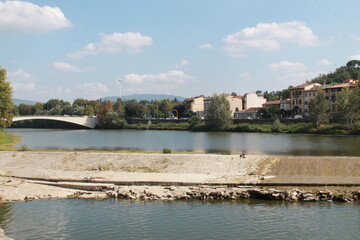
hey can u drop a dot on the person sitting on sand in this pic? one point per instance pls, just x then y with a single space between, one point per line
242 155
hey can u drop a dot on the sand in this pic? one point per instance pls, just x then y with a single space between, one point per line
17 167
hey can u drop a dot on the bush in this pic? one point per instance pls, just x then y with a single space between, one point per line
167 150
194 121
24 148
277 126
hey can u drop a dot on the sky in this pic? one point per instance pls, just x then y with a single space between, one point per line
91 49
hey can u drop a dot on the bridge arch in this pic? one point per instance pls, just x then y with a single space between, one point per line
85 121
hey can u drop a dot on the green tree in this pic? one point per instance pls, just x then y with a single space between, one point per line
318 109
6 104
219 113
166 107
347 106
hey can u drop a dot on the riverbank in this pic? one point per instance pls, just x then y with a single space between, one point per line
41 175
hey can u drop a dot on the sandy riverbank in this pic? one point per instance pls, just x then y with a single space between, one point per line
70 167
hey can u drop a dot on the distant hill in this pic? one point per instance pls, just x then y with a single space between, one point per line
149 97
17 101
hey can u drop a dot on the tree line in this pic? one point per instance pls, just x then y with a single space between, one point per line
111 114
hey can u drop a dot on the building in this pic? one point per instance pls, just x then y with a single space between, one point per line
252 100
249 113
334 90
236 103
303 94
285 105
196 105
297 97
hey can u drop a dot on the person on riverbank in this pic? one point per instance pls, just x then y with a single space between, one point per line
243 155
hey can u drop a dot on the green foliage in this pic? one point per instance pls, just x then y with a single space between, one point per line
347 106
6 104
135 109
276 126
318 109
24 148
194 121
167 151
276 95
159 126
268 112
219 113
343 73
5 137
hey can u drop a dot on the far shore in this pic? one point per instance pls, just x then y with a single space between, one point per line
40 175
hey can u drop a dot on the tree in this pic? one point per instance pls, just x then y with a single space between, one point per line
347 106
219 113
6 104
318 109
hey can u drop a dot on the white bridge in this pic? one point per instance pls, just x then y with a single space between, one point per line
85 121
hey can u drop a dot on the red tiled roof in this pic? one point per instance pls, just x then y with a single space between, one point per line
272 102
302 86
341 85
250 109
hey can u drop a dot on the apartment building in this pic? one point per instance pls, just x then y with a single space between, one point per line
236 103
331 90
196 105
297 94
252 100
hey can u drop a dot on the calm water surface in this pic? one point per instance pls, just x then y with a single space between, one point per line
111 219
179 141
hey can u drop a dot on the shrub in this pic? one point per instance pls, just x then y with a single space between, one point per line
24 148
167 150
277 126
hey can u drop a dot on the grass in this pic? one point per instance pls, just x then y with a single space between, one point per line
7 141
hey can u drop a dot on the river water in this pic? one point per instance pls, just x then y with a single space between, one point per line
122 219
182 141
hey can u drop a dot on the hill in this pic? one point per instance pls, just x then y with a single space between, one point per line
17 101
349 72
148 97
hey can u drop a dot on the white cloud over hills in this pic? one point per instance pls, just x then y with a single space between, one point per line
115 42
268 37
26 17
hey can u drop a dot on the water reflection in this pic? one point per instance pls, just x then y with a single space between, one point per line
122 219
181 141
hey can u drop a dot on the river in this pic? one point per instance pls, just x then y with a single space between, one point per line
121 219
183 141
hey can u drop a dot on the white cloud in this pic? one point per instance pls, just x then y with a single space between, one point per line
183 63
325 62
173 76
23 17
21 80
66 67
299 77
354 57
17 86
245 76
92 90
115 42
20 75
287 66
268 37
206 46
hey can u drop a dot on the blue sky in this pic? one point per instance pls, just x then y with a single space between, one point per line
70 49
